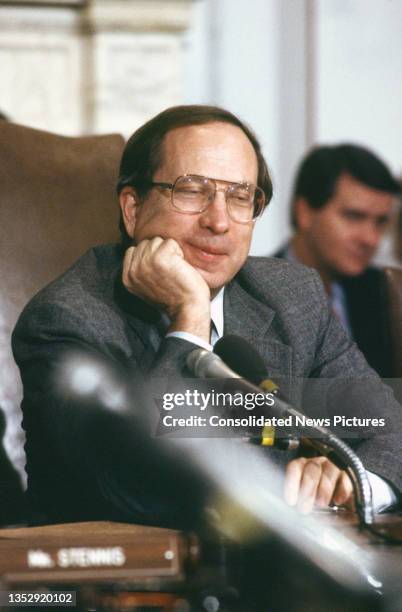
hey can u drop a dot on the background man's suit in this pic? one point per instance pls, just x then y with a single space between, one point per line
367 314
280 309
366 300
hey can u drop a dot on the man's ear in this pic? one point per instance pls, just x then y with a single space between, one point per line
304 214
128 203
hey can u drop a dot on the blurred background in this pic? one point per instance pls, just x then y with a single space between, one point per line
299 72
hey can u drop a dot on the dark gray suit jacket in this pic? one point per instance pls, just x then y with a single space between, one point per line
280 308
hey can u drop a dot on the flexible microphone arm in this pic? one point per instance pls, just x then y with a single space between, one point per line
205 364
343 457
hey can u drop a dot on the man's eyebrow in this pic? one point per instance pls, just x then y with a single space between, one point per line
350 210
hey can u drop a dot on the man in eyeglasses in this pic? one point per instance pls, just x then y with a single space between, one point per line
192 183
193 220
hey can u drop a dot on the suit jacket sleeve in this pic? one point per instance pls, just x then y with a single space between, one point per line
85 461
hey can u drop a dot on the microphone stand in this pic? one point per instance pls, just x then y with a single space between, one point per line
339 453
209 365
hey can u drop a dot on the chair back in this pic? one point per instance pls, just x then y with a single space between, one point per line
57 199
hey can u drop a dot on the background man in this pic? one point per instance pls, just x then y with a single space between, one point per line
192 183
342 202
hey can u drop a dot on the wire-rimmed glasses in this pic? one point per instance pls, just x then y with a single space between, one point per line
192 194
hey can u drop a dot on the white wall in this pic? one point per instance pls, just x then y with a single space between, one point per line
358 74
300 72
240 55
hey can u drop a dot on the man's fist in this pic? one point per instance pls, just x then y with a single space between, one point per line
316 482
156 271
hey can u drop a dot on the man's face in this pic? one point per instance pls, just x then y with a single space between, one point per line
212 243
343 235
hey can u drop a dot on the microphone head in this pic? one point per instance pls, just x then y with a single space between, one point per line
205 364
241 357
196 362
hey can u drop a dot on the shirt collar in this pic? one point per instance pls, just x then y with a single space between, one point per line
217 312
216 316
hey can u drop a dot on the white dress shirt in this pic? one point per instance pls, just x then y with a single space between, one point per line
216 328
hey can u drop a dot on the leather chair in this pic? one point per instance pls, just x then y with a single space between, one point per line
393 278
57 200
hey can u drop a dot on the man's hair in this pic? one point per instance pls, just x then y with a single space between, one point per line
143 152
319 171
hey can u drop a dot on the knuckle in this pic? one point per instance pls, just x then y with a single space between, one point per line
173 246
313 469
127 281
155 242
311 477
295 466
346 483
159 264
170 242
327 485
331 472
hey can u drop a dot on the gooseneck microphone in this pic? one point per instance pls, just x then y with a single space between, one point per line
235 351
241 355
205 364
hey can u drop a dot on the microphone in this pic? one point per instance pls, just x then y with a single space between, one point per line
205 364
243 356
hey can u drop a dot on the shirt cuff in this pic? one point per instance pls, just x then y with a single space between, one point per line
384 496
190 338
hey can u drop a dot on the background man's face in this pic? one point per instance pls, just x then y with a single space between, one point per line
212 243
344 234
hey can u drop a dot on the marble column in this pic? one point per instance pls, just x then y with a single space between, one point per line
78 67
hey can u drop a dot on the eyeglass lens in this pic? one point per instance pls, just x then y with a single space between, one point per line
194 194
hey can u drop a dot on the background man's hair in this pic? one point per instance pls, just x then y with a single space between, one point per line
319 171
143 152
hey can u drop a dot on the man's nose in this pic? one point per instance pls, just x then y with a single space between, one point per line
216 216
371 235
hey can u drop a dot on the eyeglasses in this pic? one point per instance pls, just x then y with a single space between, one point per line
192 194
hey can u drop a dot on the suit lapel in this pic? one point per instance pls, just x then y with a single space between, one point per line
254 321
149 333
144 321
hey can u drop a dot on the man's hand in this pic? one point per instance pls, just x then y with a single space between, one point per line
316 481
156 271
